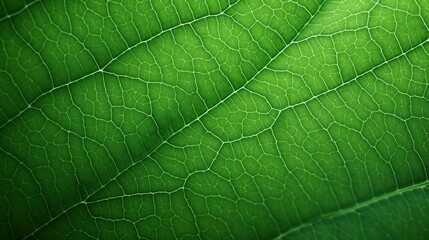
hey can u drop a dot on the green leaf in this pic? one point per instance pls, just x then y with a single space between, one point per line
211 119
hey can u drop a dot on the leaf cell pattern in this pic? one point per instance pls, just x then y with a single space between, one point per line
239 119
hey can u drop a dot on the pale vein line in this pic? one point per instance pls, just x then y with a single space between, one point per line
371 70
11 15
355 207
101 69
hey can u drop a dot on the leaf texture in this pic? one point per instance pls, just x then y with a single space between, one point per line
240 119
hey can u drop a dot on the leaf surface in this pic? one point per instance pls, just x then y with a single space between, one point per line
208 119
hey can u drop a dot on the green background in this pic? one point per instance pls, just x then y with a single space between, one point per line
246 119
